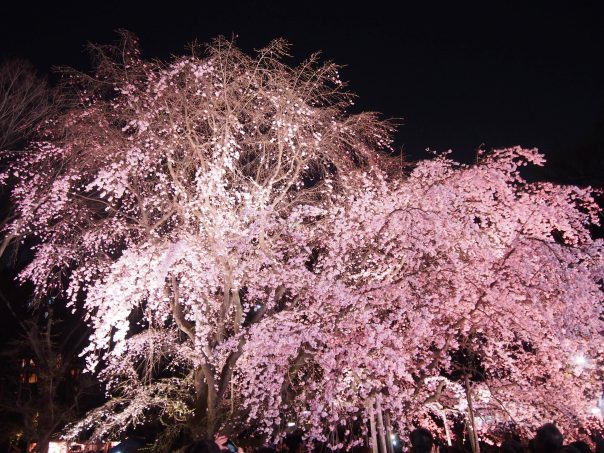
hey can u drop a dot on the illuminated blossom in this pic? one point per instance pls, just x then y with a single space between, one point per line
242 246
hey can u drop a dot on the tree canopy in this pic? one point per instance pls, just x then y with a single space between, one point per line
246 251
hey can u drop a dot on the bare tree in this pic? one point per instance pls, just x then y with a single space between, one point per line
42 388
26 99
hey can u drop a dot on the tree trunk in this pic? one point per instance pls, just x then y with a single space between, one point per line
42 444
206 405
473 436
389 443
374 446
447 432
380 420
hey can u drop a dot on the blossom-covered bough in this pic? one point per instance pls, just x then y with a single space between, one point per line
170 202
246 252
462 290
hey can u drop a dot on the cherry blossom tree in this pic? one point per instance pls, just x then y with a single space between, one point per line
460 291
244 249
168 204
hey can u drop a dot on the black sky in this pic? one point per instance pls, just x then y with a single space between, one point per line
460 74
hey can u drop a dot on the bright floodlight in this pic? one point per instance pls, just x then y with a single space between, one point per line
290 424
580 360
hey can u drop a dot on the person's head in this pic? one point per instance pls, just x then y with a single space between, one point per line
583 447
294 442
362 449
266 449
421 440
568 449
548 439
512 446
203 446
455 448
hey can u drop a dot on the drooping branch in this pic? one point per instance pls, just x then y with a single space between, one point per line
179 317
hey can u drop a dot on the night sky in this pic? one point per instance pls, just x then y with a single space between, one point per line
488 74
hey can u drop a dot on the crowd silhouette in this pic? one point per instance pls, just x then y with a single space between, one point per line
547 439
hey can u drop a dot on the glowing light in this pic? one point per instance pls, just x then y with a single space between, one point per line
596 411
580 360
291 424
57 447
